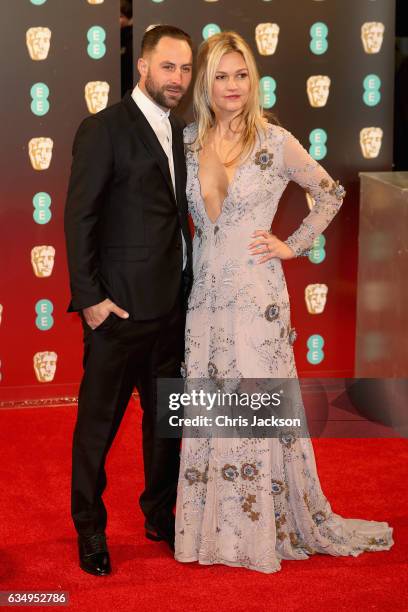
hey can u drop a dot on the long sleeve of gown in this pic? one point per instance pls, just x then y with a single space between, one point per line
327 194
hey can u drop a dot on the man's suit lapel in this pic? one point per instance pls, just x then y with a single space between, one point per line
147 135
178 158
180 171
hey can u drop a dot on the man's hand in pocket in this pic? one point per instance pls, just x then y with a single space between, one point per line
96 315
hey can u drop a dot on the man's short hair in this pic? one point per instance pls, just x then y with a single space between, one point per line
152 37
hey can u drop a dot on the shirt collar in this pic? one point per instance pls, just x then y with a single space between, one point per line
147 106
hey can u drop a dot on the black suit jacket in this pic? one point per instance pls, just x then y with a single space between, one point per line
122 218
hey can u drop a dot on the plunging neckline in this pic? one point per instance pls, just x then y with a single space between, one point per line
230 185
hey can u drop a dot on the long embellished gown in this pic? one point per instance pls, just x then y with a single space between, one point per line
242 501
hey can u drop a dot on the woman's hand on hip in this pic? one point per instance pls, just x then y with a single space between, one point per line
269 246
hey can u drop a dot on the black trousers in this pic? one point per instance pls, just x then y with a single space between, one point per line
120 355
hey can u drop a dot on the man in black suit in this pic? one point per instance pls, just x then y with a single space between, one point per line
129 257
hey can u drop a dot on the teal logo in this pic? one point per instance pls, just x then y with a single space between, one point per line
372 94
210 29
39 93
317 252
42 203
315 344
44 319
267 87
96 38
38 2
318 139
319 32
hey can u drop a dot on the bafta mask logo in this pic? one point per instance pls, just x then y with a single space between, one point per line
370 141
315 297
267 36
96 95
310 201
45 365
40 152
38 43
42 259
1 313
318 89
372 36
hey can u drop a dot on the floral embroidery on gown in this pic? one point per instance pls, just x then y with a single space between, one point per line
252 502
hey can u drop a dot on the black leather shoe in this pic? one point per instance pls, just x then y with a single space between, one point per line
161 530
94 554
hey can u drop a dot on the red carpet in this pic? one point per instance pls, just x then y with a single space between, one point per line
361 478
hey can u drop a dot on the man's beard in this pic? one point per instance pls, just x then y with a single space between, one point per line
160 94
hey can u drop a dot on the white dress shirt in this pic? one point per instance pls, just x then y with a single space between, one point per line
160 123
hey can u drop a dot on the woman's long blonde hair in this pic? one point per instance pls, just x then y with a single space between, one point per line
252 120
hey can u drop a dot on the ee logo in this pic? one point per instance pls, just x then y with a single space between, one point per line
317 253
96 38
42 203
267 86
210 29
318 32
44 320
372 94
315 345
318 139
39 94
38 2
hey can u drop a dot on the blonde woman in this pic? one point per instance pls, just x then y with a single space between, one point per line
249 502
